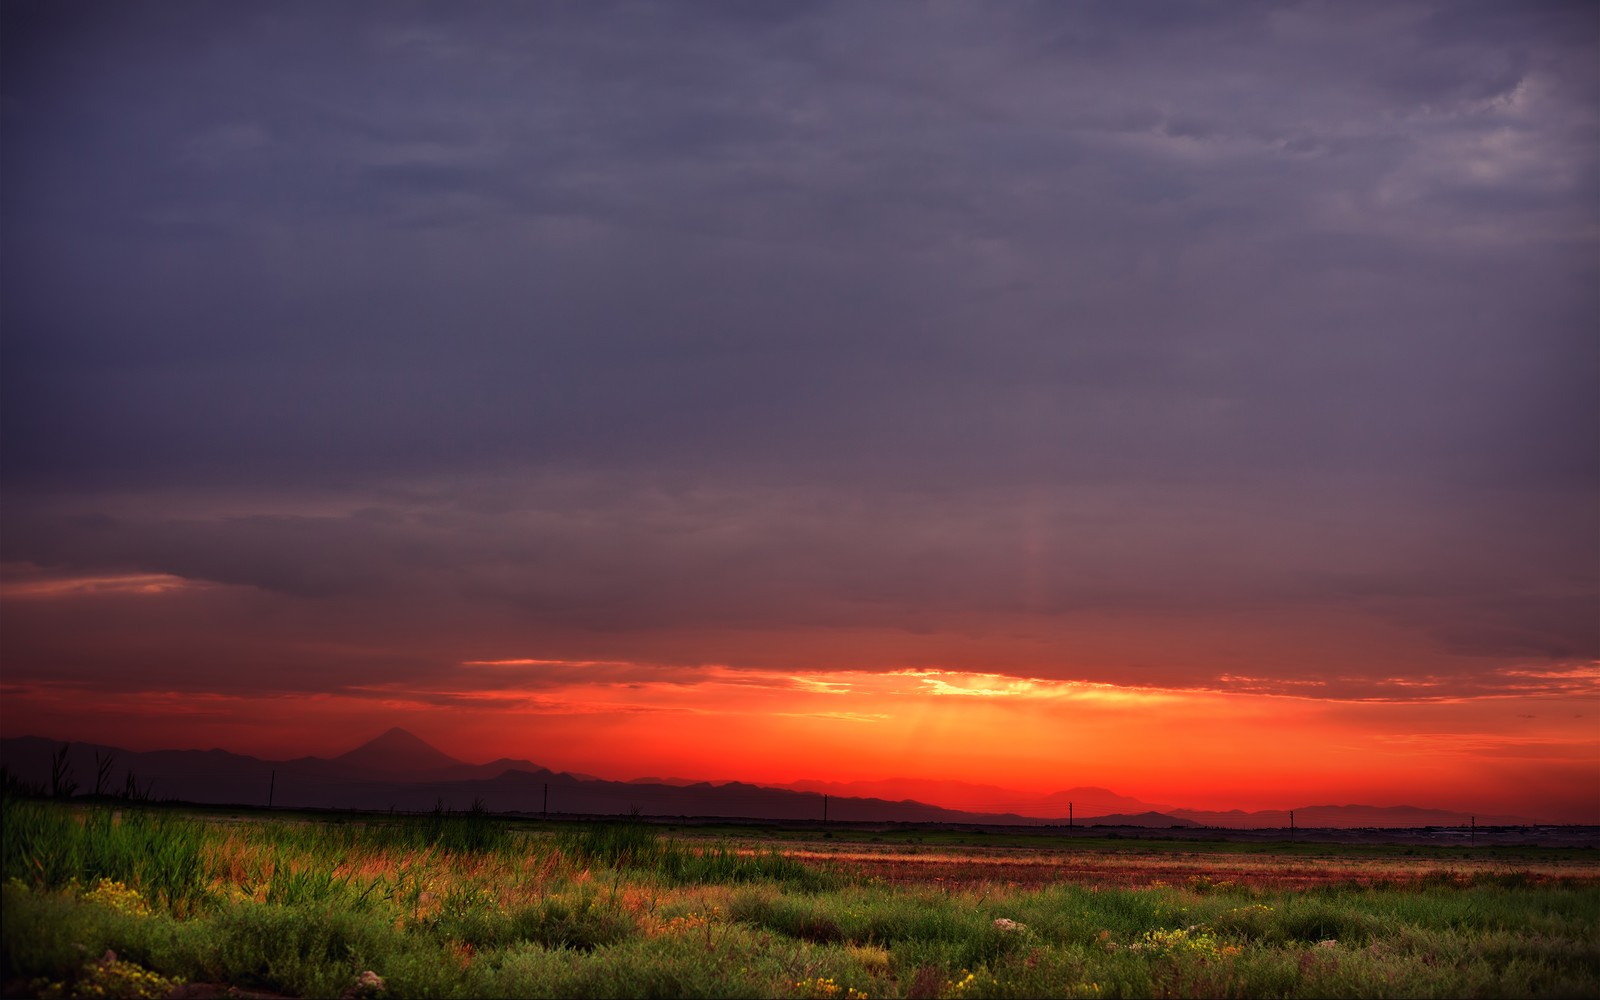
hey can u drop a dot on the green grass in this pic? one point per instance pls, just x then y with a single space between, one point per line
473 905
48 846
638 848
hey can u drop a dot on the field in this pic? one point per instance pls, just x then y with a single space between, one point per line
155 902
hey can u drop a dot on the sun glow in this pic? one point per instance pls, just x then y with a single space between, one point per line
1200 748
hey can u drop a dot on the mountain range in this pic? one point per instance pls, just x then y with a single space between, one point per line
399 771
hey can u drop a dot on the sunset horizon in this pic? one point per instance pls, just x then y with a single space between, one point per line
913 782
1202 405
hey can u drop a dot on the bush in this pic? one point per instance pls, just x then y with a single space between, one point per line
305 949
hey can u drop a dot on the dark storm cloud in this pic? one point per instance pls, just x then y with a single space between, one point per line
1219 305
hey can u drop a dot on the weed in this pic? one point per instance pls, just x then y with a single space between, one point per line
50 845
619 909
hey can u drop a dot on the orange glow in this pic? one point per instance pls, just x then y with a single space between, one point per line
1207 749
150 661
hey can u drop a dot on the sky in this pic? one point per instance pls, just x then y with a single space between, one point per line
1200 401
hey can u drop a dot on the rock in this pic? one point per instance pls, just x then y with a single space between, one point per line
368 984
1009 925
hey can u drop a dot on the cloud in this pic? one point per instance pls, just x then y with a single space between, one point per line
1090 342
867 717
544 585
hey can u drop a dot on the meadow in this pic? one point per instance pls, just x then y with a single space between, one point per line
143 901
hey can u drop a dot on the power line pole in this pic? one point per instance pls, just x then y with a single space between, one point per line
272 786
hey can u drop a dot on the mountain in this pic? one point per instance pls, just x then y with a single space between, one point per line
493 768
950 794
1094 802
397 770
397 754
1342 817
1149 819
970 797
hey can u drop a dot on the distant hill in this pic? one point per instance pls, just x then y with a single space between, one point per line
970 797
1094 801
1343 817
398 770
1152 819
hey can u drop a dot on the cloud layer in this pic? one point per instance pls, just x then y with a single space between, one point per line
1244 345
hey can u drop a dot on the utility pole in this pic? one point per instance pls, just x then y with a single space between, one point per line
272 786
1291 826
546 809
824 807
1472 837
1069 815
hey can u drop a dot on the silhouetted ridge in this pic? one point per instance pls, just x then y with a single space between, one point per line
399 771
400 754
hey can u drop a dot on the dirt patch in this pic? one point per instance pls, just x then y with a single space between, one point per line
1034 869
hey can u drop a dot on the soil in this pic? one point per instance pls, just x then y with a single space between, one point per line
1020 868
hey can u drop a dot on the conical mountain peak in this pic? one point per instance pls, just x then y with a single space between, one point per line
400 753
